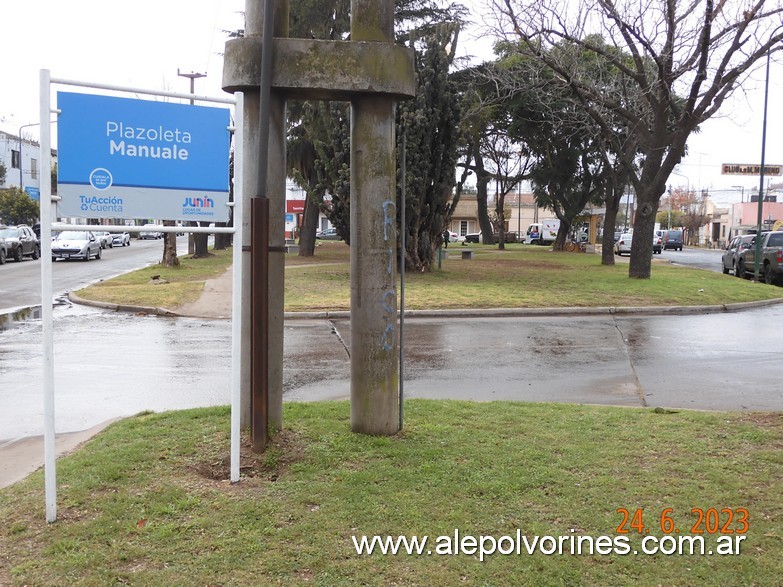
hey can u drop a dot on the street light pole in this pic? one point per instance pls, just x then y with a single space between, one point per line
757 263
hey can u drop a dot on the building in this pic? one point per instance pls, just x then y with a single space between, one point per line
20 157
520 212
743 218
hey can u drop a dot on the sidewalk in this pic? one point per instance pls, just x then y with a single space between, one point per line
22 456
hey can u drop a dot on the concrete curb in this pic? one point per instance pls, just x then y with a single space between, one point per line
121 307
465 313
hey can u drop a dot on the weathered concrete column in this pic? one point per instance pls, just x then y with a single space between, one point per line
374 344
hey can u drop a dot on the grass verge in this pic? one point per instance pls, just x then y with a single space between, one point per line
147 502
520 277
177 285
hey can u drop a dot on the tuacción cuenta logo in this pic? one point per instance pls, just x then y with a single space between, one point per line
100 204
198 206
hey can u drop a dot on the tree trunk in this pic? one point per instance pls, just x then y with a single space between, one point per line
222 239
501 202
309 228
643 227
607 240
170 258
562 235
610 222
200 240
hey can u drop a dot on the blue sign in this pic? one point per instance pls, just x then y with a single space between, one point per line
33 192
132 158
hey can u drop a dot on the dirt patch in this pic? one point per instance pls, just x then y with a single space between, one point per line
285 448
766 420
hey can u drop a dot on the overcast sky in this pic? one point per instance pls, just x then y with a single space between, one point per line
142 44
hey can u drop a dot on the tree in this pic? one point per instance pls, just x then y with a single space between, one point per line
329 171
429 125
571 166
16 207
545 121
688 211
3 172
475 125
701 51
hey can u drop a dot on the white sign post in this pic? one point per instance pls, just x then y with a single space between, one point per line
133 158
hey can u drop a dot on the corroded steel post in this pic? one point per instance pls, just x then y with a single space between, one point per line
374 344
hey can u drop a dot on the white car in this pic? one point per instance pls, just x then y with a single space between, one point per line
104 237
76 244
149 232
121 239
623 244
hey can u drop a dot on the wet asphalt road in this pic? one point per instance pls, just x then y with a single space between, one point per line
20 283
113 364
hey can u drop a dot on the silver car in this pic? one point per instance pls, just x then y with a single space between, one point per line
121 239
623 244
76 244
733 249
104 238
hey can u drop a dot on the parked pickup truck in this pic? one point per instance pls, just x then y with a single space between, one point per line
771 258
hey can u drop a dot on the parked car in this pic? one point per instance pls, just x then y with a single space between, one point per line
734 249
120 239
623 244
657 243
105 238
76 244
672 239
149 233
473 237
770 260
456 238
20 242
328 234
3 251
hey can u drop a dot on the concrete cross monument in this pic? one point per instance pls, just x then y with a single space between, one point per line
372 73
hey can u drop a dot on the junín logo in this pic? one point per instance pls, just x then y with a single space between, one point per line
204 202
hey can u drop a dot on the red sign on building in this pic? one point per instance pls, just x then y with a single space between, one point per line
295 206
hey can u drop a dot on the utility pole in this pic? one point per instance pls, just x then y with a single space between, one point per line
193 76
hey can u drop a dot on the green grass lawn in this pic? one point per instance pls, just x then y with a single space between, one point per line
147 502
520 277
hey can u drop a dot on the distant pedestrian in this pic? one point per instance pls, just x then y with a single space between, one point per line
446 238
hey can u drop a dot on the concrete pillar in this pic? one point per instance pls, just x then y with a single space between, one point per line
374 344
254 24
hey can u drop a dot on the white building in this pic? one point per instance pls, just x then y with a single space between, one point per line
21 159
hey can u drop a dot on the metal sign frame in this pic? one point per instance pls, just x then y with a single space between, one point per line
47 307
